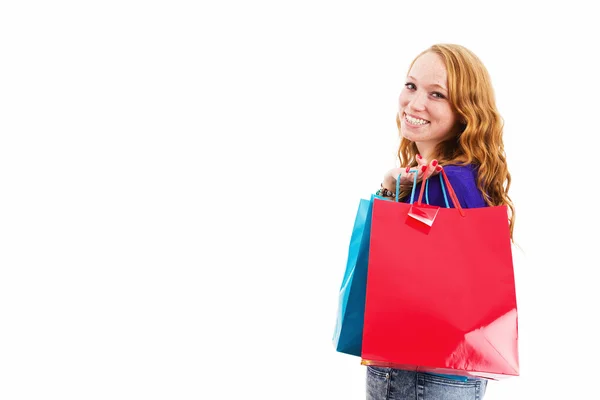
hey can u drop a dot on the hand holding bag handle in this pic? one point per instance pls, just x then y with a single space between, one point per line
425 186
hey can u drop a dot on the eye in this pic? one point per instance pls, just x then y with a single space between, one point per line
438 95
410 86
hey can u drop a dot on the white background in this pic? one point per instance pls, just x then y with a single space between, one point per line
178 185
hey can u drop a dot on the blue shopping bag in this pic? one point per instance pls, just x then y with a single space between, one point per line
347 337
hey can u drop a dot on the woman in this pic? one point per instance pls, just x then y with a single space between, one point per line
447 117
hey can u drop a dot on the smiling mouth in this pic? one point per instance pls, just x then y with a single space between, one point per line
415 121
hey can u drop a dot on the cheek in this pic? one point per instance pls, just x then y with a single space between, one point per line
444 114
403 100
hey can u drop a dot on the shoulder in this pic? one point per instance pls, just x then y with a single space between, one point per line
462 174
463 179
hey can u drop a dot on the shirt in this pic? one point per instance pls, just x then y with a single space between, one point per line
464 182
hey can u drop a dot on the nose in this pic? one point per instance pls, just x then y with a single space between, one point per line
418 101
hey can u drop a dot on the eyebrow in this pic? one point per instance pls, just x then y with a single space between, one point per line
435 84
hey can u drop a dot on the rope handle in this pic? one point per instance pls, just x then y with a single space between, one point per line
425 185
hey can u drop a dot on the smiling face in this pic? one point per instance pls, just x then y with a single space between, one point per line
426 116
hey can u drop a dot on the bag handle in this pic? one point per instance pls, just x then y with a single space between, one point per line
412 193
450 191
414 186
425 183
443 191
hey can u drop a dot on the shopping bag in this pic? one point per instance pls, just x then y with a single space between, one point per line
347 336
440 291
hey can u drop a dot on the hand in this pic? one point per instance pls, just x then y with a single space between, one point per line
424 169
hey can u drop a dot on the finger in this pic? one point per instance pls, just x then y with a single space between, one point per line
423 171
431 169
406 176
410 172
437 170
420 160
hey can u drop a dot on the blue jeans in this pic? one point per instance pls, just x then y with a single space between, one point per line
397 384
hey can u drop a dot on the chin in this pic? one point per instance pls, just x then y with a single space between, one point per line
406 134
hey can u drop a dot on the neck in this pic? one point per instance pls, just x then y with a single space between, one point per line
426 150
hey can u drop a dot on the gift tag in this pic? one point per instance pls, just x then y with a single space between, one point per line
423 213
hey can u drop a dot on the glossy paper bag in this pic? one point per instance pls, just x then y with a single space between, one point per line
441 294
347 337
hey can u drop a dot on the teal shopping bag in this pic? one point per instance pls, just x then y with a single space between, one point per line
347 337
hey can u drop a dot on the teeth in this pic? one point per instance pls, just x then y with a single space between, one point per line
415 121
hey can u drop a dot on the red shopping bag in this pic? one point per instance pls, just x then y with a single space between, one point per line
440 290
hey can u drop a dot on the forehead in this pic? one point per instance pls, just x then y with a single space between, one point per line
430 69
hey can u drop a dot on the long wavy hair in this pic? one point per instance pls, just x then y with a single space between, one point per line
479 140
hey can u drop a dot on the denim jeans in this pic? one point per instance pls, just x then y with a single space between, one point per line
397 384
